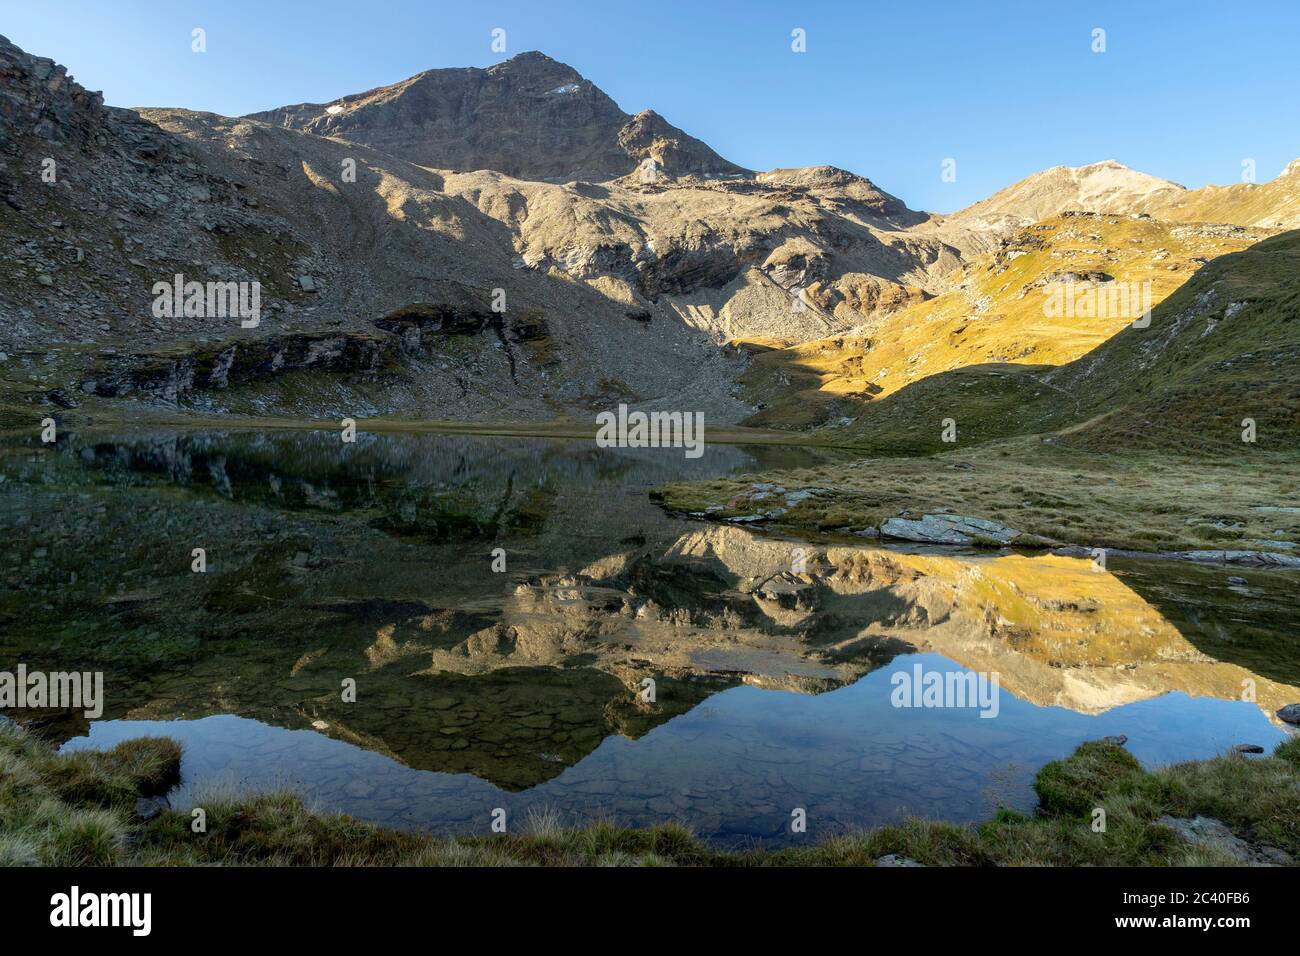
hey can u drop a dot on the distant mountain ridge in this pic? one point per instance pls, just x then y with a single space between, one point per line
1109 187
1274 204
1104 187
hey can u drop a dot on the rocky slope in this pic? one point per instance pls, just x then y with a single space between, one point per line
383 286
787 254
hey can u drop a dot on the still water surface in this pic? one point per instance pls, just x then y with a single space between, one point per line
521 689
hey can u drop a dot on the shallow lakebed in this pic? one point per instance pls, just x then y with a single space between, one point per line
775 662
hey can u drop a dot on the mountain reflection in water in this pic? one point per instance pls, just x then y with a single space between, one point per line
771 657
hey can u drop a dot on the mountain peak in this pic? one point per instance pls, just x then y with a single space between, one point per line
531 55
530 116
531 62
529 58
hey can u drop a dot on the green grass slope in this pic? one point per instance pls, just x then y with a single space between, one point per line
1224 348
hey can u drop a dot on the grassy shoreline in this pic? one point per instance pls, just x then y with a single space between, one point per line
1147 504
144 418
79 809
1150 502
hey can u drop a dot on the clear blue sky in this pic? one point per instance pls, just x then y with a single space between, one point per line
1185 90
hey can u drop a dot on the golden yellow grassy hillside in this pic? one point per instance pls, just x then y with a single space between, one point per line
999 310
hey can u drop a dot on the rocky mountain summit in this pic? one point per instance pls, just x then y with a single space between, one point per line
530 117
375 295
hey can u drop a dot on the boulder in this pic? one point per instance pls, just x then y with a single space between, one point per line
1211 833
948 529
146 808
